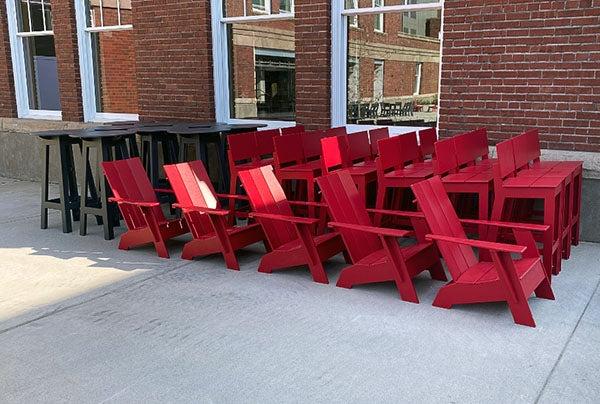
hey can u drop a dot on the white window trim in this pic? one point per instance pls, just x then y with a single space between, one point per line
339 57
86 68
378 16
18 65
221 63
266 10
292 6
418 78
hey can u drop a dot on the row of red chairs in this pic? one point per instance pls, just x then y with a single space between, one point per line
372 252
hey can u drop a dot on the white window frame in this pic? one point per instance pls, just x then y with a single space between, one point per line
18 64
418 78
379 17
86 66
292 7
339 58
266 10
220 51
354 20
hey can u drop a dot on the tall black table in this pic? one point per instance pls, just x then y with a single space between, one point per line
110 143
203 133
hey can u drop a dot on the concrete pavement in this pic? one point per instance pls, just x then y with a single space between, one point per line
81 321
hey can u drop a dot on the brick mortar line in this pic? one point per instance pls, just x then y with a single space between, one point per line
537 400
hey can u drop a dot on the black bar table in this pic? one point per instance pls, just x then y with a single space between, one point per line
200 134
68 201
153 135
111 143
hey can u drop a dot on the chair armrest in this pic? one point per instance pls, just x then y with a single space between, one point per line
508 225
400 213
164 191
134 203
230 196
311 204
382 231
485 245
284 218
216 212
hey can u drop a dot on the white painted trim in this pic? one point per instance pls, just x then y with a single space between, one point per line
266 10
377 16
441 38
125 27
43 114
274 52
258 18
402 8
270 124
112 117
26 34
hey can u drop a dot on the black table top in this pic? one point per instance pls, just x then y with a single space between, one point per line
47 134
105 131
210 128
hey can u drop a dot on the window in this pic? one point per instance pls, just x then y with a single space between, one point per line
286 6
255 64
263 6
107 59
352 20
378 81
34 58
378 23
399 74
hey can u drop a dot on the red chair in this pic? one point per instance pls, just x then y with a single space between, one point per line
264 146
375 135
208 223
399 165
292 129
291 238
374 252
510 187
336 155
475 182
472 151
339 131
139 206
427 139
360 149
476 281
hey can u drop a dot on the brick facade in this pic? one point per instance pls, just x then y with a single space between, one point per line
67 59
174 59
522 64
8 106
313 63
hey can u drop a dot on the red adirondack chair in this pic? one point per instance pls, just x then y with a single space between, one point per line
139 206
292 129
476 281
427 140
375 135
374 252
208 223
336 155
291 238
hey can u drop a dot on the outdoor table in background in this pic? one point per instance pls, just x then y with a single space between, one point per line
111 143
68 201
200 134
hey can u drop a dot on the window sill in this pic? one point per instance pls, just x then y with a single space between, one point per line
43 115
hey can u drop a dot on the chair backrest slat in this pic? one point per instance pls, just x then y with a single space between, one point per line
242 147
292 129
427 140
445 161
334 153
288 149
442 220
311 144
264 142
506 159
267 196
346 206
338 131
193 188
471 147
375 135
409 148
360 149
526 148
389 154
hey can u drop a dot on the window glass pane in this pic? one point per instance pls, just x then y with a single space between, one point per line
262 68
41 71
393 78
114 72
112 13
246 8
34 16
286 5
422 23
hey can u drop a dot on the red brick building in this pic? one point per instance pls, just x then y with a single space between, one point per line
505 65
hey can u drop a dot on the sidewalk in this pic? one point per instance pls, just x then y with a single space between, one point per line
81 321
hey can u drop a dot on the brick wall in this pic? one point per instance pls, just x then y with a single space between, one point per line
174 59
8 107
522 64
67 59
313 63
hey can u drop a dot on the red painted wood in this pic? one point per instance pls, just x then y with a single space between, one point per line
139 206
292 241
264 143
374 251
474 280
212 233
339 131
360 148
293 129
375 135
427 140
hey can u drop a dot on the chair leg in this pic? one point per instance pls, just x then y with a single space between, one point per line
544 290
313 260
437 272
404 283
45 184
64 188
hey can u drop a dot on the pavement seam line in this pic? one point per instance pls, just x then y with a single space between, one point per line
562 352
65 308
